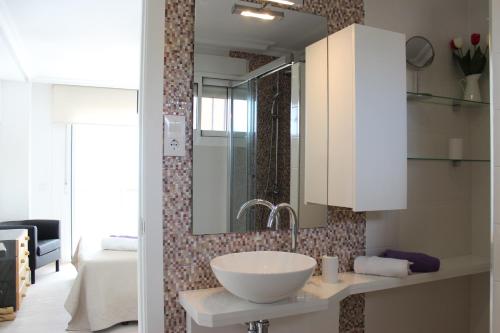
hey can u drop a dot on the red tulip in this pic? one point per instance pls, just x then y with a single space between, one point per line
452 45
475 39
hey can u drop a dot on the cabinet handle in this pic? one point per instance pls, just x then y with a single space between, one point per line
22 244
28 284
23 278
27 238
23 295
23 261
27 253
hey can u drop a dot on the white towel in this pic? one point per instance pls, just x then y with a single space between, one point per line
119 243
381 266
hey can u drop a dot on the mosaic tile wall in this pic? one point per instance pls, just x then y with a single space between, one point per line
187 257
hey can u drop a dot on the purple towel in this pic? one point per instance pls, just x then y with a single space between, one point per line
419 262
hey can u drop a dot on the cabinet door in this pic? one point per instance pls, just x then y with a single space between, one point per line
367 114
341 108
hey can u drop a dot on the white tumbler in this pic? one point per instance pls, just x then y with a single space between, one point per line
456 149
330 267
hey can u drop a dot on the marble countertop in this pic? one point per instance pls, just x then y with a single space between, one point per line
216 307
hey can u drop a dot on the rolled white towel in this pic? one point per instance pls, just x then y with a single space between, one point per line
3 250
381 266
119 243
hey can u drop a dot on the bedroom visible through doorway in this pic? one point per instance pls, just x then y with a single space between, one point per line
70 146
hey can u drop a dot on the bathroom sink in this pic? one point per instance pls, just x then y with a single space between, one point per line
263 276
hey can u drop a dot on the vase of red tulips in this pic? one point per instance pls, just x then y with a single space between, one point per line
472 63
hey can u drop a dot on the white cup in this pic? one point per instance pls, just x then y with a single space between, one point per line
456 149
330 268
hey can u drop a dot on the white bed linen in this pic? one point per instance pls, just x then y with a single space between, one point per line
120 243
105 290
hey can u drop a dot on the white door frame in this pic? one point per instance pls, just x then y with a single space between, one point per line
151 274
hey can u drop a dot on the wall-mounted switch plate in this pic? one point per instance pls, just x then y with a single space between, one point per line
174 143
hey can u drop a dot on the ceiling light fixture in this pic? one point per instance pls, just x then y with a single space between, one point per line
260 13
288 2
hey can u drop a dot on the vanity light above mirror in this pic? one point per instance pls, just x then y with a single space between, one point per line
260 13
288 2
264 13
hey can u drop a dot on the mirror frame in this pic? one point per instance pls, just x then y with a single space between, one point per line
429 62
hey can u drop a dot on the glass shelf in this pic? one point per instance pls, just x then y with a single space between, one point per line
442 100
445 159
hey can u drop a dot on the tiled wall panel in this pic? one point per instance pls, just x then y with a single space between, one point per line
187 257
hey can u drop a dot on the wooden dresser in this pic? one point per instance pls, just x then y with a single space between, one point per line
15 277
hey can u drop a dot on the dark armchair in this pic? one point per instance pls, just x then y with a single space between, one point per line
44 244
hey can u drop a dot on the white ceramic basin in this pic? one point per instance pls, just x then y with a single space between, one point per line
263 276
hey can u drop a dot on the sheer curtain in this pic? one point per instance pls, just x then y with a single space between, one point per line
105 175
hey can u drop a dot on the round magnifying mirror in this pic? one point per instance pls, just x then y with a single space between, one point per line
419 52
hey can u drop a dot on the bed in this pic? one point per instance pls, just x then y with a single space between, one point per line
105 290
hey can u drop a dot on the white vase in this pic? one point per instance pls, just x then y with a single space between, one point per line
471 88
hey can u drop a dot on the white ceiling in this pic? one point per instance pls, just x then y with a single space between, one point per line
82 42
216 28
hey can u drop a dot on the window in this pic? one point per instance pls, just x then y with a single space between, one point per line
213 109
105 169
240 108
240 115
213 113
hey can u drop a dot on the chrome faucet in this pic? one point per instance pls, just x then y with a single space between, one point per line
294 222
275 215
254 202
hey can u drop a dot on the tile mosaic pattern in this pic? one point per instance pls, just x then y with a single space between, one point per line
352 317
187 257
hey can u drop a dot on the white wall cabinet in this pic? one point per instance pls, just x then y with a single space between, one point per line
366 113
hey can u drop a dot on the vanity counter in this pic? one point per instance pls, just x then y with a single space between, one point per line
216 307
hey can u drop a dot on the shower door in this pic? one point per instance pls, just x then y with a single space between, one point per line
259 150
241 151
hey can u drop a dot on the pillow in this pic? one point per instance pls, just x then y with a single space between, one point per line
120 243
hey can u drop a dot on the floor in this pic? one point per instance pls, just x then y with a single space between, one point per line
42 310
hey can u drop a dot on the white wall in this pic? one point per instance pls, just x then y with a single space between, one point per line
15 110
49 166
436 189
33 173
410 310
207 63
448 206
210 189
41 153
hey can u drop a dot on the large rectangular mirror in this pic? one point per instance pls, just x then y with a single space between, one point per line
249 113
